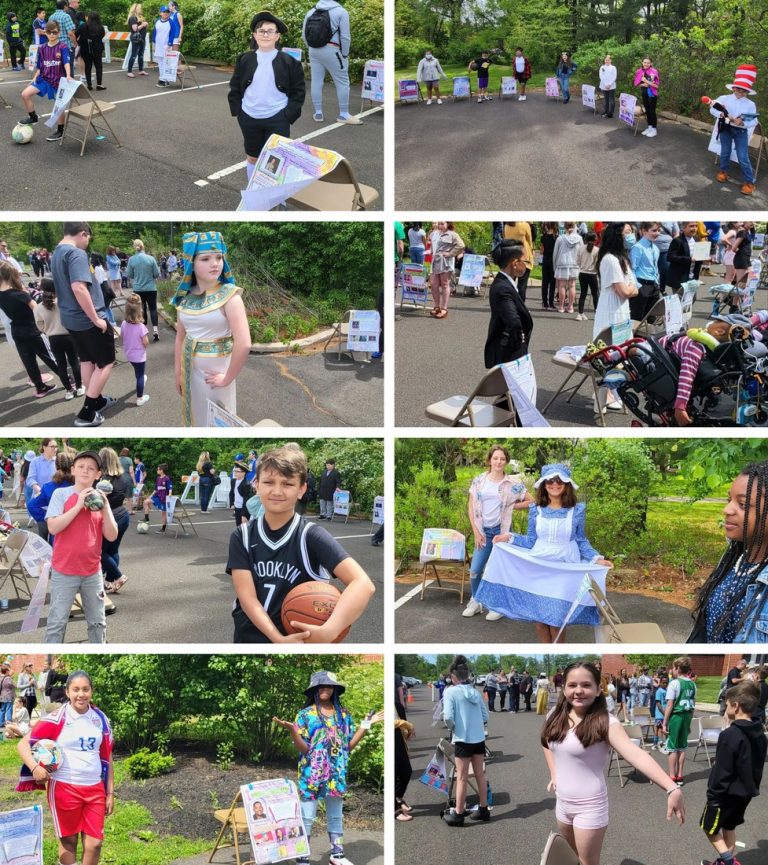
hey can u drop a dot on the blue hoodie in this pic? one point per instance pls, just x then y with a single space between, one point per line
465 713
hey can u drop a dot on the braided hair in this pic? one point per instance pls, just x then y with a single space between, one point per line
314 700
745 557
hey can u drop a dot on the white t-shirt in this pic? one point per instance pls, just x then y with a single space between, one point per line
162 33
519 64
611 309
79 742
262 99
491 503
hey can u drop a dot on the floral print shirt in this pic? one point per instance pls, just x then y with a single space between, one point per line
323 769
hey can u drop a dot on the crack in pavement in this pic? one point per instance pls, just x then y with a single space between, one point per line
283 369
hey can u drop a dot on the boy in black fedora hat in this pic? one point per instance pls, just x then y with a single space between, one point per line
266 91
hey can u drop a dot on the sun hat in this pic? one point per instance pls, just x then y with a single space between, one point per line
324 678
556 470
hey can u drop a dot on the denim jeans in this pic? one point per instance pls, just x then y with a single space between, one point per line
565 85
110 551
137 54
417 254
63 590
480 558
206 488
333 814
732 135
6 713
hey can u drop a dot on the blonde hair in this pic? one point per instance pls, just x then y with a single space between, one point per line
110 463
205 457
135 10
138 245
133 314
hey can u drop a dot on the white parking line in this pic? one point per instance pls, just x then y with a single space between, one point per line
412 594
26 81
239 166
231 521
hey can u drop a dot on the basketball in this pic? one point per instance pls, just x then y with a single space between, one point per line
47 754
143 527
312 603
22 133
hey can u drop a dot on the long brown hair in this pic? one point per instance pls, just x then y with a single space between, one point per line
593 727
9 274
568 499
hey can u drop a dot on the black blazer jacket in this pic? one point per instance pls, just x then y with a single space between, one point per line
289 79
679 259
511 325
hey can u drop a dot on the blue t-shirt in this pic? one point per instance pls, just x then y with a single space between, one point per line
660 698
38 32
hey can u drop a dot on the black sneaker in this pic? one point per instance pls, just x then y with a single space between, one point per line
100 87
453 818
97 420
482 813
30 120
45 390
161 84
156 337
56 136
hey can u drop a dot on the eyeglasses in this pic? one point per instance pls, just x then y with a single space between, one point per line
267 32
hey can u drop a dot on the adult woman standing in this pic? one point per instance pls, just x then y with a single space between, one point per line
81 791
725 249
143 270
547 249
622 693
122 489
113 270
542 694
207 480
465 714
565 258
742 253
493 495
25 685
42 467
38 506
647 79
92 49
212 333
617 285
137 27
445 248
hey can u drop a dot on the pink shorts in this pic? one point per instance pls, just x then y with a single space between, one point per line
583 814
76 809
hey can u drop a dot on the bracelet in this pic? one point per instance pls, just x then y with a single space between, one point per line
365 724
672 790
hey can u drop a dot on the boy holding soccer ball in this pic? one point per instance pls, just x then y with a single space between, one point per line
53 63
280 550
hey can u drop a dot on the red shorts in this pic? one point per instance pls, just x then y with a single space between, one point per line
76 809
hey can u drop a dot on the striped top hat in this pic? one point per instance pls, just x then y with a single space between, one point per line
744 78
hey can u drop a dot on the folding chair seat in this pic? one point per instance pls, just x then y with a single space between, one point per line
642 716
11 566
635 734
558 852
338 190
234 821
710 728
472 411
614 630
434 562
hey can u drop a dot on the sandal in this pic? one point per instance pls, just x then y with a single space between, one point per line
442 314
404 806
403 817
435 312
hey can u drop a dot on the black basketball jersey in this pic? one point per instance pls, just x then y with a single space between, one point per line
279 561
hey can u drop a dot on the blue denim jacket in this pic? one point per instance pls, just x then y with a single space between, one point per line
755 628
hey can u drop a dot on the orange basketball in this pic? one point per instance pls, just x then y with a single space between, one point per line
312 603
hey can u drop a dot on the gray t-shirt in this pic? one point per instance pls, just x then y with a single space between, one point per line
70 264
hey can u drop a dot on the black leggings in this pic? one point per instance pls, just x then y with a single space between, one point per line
19 50
588 282
403 769
649 103
64 351
547 283
149 301
32 347
93 61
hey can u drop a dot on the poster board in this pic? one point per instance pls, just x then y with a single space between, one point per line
508 86
218 416
552 88
31 57
190 493
714 142
170 508
21 836
461 87
275 827
378 511
442 544
520 377
373 80
621 332
588 96
342 502
168 66
408 90
688 298
702 250
673 315
2 50
627 105
414 288
364 326
759 241
284 168
64 94
472 269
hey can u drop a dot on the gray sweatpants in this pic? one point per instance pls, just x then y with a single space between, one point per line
329 59
63 590
326 508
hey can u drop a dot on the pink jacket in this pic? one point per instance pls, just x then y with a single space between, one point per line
652 75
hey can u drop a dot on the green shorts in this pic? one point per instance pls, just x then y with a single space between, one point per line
679 728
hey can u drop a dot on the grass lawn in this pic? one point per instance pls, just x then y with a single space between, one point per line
458 69
707 688
131 836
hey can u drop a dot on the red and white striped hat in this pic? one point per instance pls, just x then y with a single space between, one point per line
744 78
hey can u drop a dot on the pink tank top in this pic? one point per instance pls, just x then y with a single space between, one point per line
580 770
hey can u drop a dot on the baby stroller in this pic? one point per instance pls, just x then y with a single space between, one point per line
728 298
728 389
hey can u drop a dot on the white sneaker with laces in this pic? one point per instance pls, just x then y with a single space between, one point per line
651 133
439 101
429 101
472 609
493 617
645 131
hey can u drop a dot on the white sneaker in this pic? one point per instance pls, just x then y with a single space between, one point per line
523 98
80 391
580 317
429 101
142 399
651 132
472 609
616 405
493 617
439 101
480 99
339 860
645 131
597 410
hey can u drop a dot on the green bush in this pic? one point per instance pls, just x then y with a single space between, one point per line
408 51
364 694
149 764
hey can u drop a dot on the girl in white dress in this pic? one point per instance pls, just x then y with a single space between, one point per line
212 334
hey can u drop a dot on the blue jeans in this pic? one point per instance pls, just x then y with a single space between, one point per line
480 557
334 822
110 551
417 254
206 489
565 84
6 713
732 135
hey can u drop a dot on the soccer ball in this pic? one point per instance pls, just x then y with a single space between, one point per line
46 752
143 527
22 133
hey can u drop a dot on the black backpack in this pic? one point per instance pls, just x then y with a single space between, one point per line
318 31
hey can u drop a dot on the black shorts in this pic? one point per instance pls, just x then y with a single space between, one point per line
468 749
257 132
245 630
95 346
715 818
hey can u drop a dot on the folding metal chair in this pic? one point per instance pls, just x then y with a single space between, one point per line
635 733
184 69
338 190
558 852
11 566
472 411
340 333
433 563
91 114
641 715
234 821
710 728
449 752
614 630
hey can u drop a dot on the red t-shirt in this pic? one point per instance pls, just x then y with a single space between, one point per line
77 549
